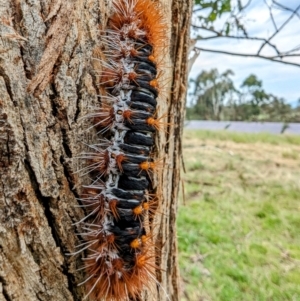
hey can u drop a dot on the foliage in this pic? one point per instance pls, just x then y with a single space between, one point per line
215 97
238 227
211 11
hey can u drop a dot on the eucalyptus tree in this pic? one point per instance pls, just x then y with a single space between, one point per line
210 93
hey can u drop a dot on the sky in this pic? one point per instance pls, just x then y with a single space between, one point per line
278 79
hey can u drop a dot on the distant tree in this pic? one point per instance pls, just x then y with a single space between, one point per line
215 98
210 91
278 109
254 95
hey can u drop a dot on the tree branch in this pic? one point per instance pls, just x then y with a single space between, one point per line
271 14
269 58
220 35
207 29
279 29
292 50
198 9
234 15
285 7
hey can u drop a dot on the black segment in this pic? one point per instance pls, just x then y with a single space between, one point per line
139 125
127 235
133 170
146 85
139 150
140 115
131 183
122 194
144 47
127 216
136 159
141 57
146 67
136 105
132 137
142 95
128 204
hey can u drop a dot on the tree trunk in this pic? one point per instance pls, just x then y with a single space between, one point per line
47 83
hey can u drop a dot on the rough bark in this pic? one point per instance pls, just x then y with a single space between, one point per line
47 83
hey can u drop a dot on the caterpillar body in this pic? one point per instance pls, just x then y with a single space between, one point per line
117 238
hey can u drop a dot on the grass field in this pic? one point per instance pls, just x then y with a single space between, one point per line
239 222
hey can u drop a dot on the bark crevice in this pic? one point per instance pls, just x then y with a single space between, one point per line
4 290
7 84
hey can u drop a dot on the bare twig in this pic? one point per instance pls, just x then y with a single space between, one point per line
236 18
271 14
292 50
269 58
285 7
220 35
279 29
246 5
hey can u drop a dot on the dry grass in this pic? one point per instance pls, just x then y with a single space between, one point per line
239 227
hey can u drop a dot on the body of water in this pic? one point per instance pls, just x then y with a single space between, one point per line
240 126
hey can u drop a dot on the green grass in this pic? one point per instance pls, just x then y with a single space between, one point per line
239 222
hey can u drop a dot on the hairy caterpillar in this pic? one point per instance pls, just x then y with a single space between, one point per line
117 238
